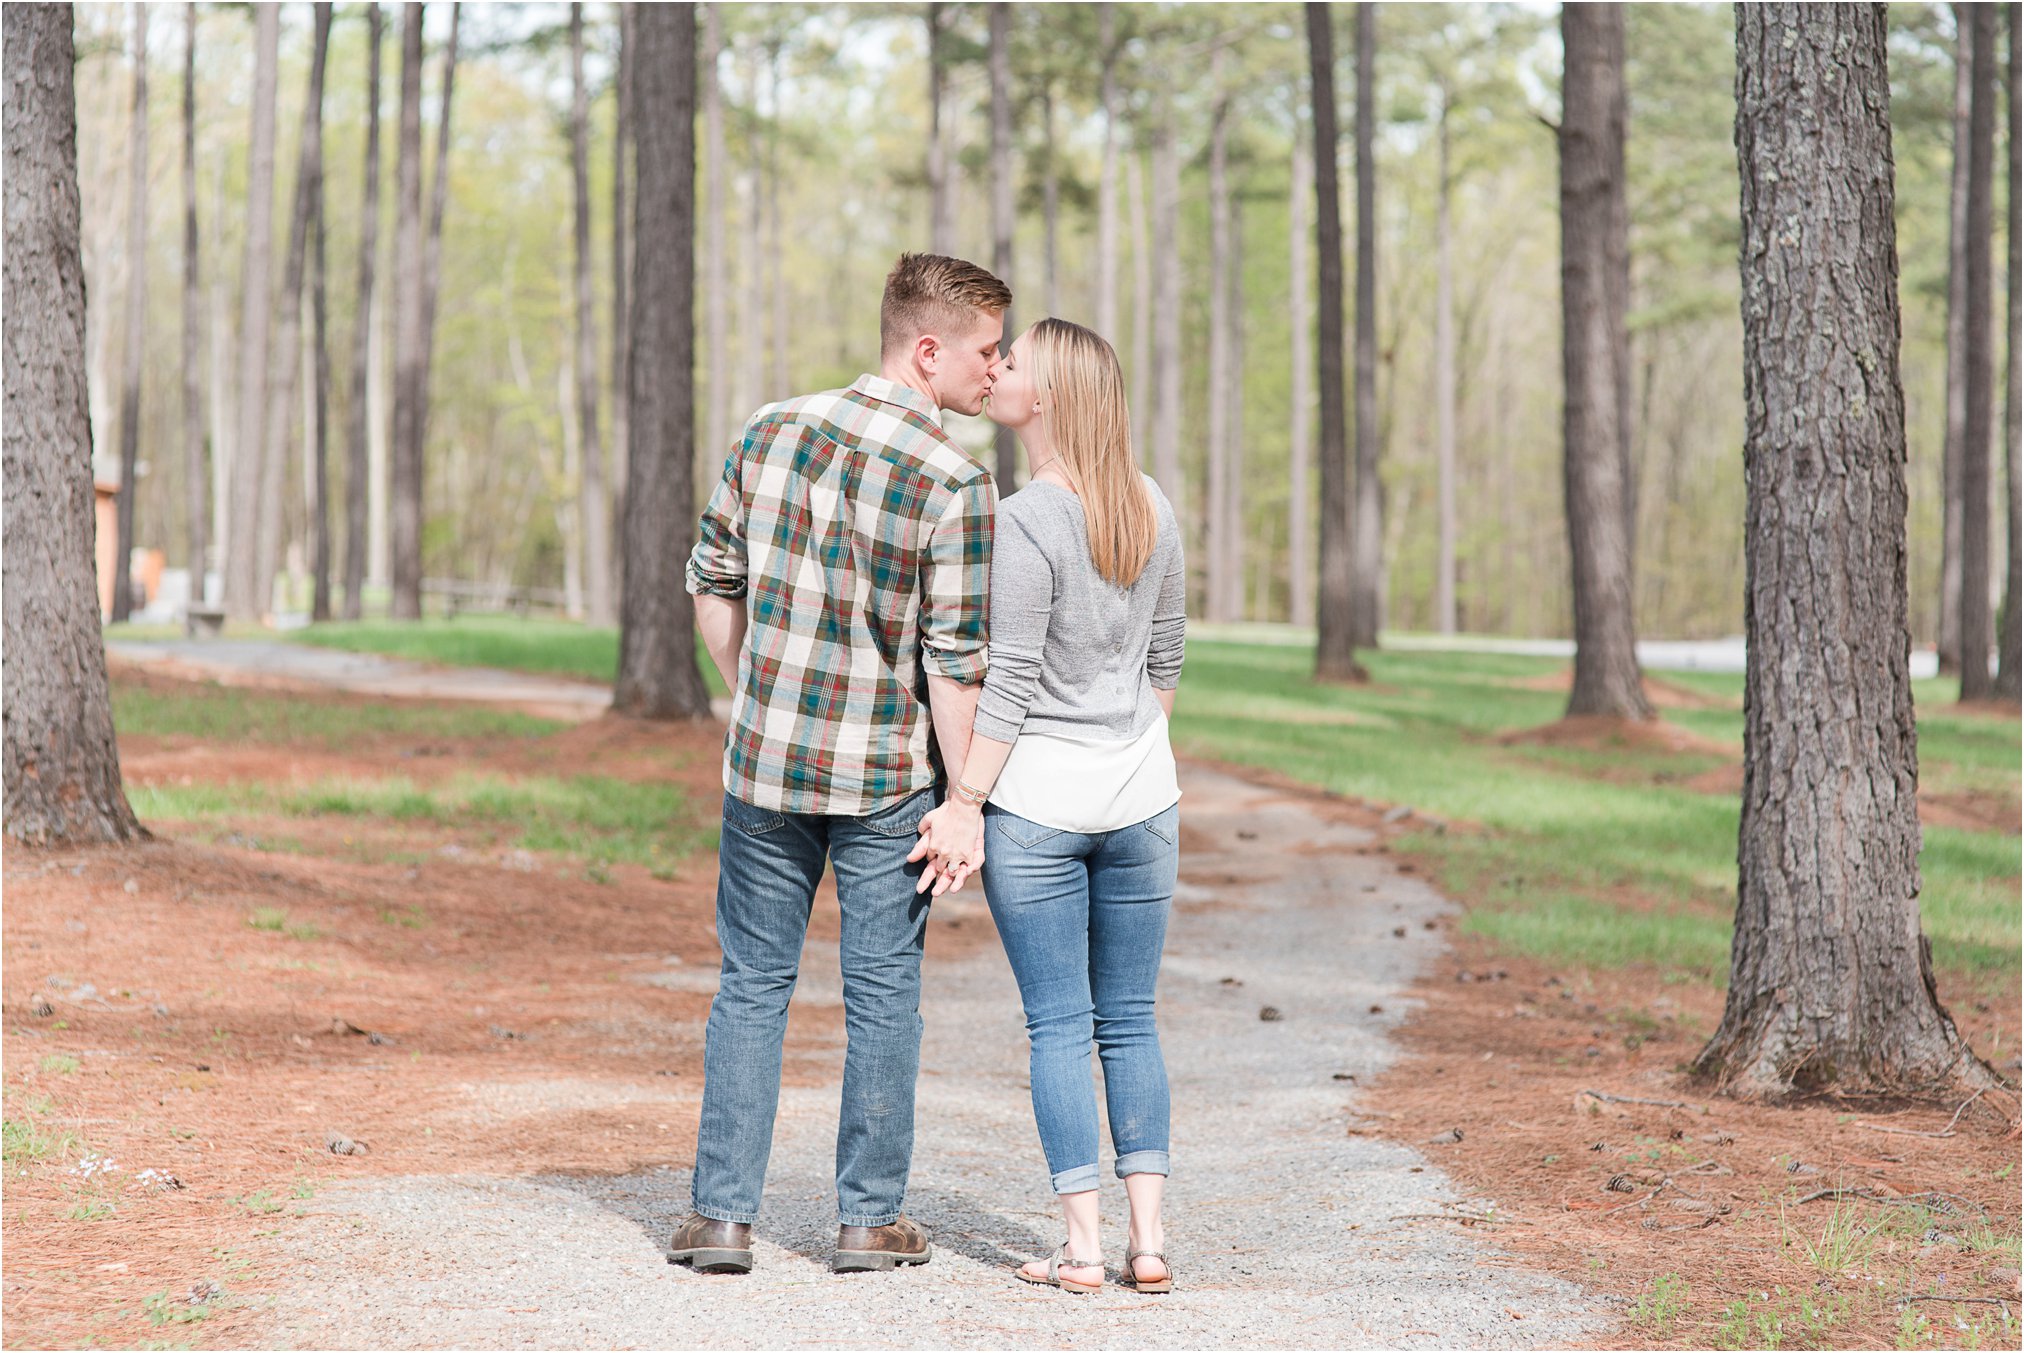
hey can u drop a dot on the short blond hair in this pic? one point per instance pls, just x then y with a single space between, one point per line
1078 374
934 294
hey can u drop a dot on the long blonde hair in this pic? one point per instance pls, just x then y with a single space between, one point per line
1091 425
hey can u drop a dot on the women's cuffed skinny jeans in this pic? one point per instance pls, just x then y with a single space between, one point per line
1083 919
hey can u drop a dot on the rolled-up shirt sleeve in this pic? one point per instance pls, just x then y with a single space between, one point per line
1170 622
717 565
1022 602
955 631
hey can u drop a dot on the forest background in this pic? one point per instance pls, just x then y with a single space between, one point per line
825 178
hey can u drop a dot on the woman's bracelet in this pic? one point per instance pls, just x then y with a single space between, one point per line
974 797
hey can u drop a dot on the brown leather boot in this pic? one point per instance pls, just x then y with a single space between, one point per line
711 1246
861 1249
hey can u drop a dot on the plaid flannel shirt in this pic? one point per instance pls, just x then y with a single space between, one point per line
860 536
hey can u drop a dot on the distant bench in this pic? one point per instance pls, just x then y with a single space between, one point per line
203 622
459 596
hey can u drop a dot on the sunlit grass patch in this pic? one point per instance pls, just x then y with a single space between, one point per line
205 709
1579 854
596 818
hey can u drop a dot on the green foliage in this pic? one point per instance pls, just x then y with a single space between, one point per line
61 1064
26 1135
1660 1305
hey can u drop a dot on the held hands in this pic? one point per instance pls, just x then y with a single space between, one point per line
952 842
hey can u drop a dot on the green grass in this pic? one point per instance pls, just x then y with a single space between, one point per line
553 647
1558 847
1556 838
591 817
235 714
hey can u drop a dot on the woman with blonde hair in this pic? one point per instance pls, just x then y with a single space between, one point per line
1068 800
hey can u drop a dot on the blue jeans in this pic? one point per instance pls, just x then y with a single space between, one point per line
768 866
1083 919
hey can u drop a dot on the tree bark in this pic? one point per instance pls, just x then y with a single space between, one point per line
1444 384
61 761
196 473
716 326
1006 465
776 268
1831 981
1949 637
1050 199
1334 657
1366 533
287 353
405 472
358 471
657 676
1165 322
592 502
243 598
941 194
1980 365
136 321
319 522
1106 184
1214 556
1235 538
1299 541
2010 662
621 271
1141 373
1606 676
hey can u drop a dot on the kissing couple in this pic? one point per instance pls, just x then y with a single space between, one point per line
929 682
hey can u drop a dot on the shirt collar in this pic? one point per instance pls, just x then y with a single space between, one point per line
892 392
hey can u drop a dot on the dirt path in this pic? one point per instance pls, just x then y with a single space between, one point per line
1282 1227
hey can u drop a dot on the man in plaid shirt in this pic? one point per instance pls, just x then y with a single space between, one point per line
839 576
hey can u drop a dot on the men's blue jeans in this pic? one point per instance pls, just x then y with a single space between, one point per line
1083 919
768 866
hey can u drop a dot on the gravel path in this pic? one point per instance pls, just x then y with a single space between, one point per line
1280 1226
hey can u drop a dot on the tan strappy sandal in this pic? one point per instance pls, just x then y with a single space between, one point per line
1058 1261
1165 1284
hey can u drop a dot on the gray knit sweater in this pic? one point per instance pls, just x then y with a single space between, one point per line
1071 653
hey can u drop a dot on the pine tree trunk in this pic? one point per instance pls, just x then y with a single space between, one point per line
1444 384
1006 464
1213 556
776 252
1050 200
1831 981
287 353
1106 184
196 473
319 522
1334 658
592 501
621 271
1949 637
243 598
941 188
1366 534
1980 365
61 762
358 471
1606 676
716 326
432 285
405 471
1235 540
1140 377
1299 543
1165 322
2010 662
657 674
136 321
